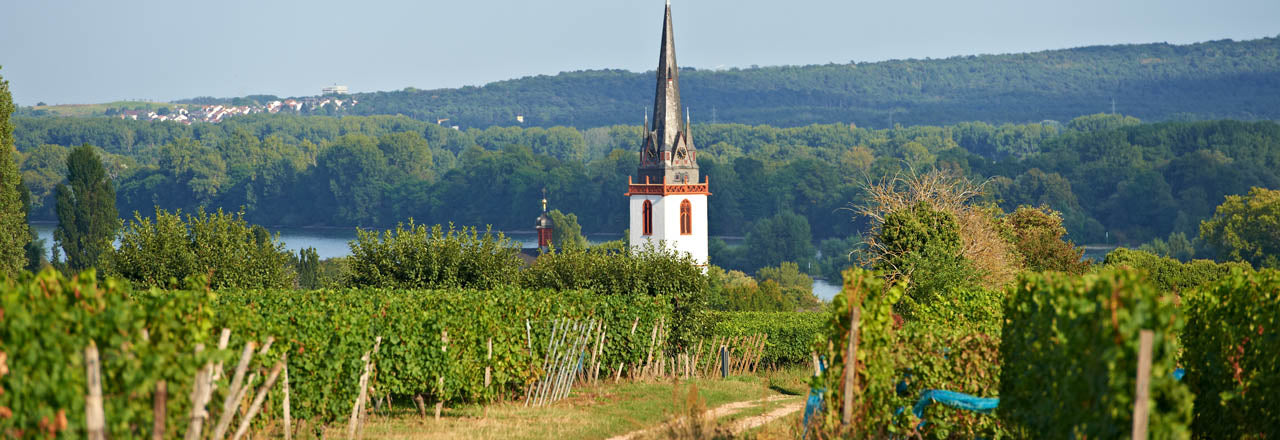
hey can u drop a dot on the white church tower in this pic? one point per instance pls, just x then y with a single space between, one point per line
668 202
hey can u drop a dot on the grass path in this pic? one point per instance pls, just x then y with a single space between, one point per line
748 405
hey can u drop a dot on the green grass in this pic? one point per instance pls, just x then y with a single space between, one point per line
592 412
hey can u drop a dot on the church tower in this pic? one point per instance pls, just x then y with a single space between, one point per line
668 202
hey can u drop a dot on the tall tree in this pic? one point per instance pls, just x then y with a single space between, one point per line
13 220
87 218
567 234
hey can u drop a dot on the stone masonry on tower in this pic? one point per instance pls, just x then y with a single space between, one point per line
668 202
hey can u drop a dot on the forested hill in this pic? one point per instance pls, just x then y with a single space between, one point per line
1154 82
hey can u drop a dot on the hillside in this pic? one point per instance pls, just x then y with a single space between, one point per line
1154 82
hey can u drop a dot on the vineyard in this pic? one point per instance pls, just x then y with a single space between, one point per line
1079 356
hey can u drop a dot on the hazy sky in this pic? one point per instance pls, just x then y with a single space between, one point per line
62 51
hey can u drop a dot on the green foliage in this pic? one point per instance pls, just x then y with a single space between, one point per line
922 245
307 265
1212 79
1081 334
1232 356
1135 182
418 257
566 232
1178 247
1243 228
936 356
838 254
35 247
13 219
876 367
87 218
160 252
791 334
795 285
737 292
415 352
1170 275
645 272
49 320
1038 236
774 240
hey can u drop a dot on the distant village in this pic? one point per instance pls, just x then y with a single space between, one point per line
214 113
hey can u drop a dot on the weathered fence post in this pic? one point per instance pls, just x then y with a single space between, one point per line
1141 396
724 361
95 418
288 416
199 391
851 366
235 393
158 409
258 399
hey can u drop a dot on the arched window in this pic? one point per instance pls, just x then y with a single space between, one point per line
686 217
646 218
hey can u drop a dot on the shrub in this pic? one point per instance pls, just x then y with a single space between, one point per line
418 257
1170 275
1232 356
645 272
221 246
791 334
1038 236
1069 353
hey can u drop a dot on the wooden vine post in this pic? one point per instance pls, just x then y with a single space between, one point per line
1141 396
363 384
258 399
234 393
95 418
851 367
288 417
158 409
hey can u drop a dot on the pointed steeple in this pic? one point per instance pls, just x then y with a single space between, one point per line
667 152
666 100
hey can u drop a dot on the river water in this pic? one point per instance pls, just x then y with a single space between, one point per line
331 243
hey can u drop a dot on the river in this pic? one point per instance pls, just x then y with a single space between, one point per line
332 242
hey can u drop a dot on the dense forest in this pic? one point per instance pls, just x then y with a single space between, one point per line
1113 178
1155 82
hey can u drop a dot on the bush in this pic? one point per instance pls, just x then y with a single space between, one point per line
1070 350
645 272
1168 274
415 257
791 334
1232 356
223 247
1038 236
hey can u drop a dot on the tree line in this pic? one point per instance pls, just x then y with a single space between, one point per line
1210 80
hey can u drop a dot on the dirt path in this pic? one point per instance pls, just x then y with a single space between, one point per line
727 410
762 419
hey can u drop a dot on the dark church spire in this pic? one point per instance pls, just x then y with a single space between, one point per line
667 152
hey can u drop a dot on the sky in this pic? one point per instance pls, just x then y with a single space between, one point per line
90 51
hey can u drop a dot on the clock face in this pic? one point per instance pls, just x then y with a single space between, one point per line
681 153
651 152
